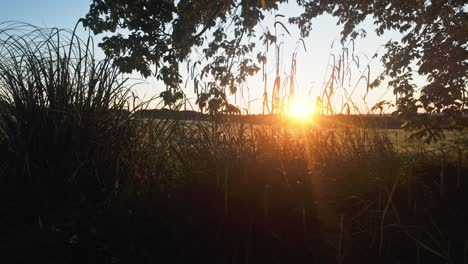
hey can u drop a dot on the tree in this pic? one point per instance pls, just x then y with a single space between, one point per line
434 44
163 32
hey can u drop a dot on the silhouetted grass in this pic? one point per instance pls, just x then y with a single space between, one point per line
84 180
66 122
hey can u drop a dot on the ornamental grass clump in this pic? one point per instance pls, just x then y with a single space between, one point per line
65 121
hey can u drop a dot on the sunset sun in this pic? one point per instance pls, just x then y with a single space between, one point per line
300 110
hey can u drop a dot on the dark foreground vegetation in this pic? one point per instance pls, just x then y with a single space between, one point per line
83 179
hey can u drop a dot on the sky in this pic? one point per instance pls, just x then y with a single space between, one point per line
44 13
312 65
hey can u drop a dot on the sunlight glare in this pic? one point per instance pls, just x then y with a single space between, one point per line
301 110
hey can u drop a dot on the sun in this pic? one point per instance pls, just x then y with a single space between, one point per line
300 110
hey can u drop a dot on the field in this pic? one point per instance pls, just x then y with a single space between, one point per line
84 179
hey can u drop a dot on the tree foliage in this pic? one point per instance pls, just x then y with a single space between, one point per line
434 45
163 33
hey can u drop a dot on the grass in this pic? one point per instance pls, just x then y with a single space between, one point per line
82 179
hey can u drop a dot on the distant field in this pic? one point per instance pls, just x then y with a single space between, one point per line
400 138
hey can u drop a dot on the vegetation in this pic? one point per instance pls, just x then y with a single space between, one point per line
433 46
83 178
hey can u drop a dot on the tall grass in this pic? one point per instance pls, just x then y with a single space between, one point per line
265 194
66 124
